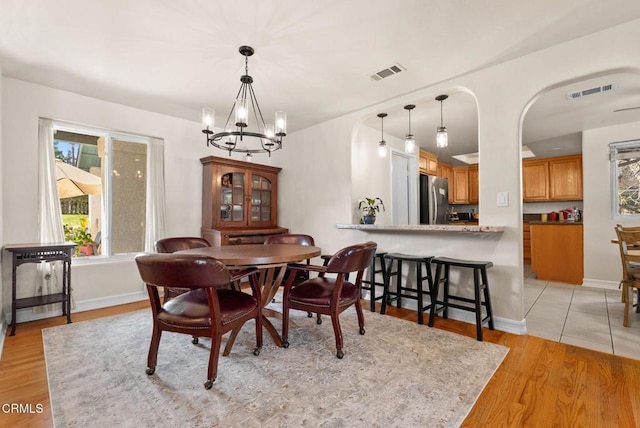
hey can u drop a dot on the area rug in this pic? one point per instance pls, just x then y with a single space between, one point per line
399 374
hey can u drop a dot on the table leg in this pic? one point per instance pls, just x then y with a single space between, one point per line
67 303
13 297
269 280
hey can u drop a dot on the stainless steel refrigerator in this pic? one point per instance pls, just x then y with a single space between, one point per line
434 200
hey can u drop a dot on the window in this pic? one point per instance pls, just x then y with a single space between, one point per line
625 178
103 189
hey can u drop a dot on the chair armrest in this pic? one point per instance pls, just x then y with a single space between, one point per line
312 268
241 274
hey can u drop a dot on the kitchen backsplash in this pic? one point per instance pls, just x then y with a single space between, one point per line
547 207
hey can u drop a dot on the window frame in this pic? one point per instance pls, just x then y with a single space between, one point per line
107 201
614 149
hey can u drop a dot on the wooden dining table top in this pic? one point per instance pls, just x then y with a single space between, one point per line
256 254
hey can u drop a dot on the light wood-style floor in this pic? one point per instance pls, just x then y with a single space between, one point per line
540 383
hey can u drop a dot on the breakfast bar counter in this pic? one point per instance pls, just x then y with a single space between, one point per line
419 228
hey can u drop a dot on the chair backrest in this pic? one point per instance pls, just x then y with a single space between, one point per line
355 258
171 245
628 240
290 238
183 271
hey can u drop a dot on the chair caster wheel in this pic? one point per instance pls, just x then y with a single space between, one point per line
319 321
361 330
285 343
208 384
309 315
150 371
256 351
340 354
195 340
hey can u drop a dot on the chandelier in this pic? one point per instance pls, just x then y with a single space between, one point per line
268 134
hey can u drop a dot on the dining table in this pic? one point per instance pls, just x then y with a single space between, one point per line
271 261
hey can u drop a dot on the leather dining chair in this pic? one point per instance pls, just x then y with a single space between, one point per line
171 245
206 310
297 239
330 295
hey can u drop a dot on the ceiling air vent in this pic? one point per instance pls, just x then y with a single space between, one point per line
394 69
590 91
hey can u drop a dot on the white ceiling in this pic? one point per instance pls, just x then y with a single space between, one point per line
313 59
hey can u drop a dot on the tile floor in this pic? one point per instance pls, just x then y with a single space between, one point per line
581 316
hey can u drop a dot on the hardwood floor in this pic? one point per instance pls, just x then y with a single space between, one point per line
540 383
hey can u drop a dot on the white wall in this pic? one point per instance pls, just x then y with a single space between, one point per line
602 265
23 103
315 189
503 94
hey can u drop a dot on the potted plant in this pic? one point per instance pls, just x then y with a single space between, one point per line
369 207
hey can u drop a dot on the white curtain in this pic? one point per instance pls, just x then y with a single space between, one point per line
155 194
50 217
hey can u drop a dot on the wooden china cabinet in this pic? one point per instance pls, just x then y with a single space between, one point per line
239 201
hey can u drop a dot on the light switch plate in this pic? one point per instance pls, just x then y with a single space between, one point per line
503 199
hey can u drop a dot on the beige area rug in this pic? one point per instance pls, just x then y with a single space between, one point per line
399 374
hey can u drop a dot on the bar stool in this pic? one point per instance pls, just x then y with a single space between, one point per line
403 291
480 285
371 283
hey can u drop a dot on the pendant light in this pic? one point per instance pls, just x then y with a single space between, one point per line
409 139
382 145
442 139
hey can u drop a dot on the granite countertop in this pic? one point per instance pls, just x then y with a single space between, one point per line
469 228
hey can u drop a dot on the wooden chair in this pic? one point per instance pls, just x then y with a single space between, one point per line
171 245
329 295
205 310
629 241
297 239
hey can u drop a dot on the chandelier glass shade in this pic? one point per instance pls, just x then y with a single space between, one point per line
269 135
409 139
382 144
442 138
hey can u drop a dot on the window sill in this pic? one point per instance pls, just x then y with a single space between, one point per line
95 260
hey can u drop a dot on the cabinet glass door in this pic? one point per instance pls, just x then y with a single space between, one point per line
232 197
260 198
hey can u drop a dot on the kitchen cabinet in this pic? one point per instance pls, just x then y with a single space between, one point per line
474 188
428 163
557 252
552 179
535 180
526 243
565 178
460 185
239 201
446 171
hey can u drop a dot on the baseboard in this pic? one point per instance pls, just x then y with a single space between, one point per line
503 324
26 314
600 283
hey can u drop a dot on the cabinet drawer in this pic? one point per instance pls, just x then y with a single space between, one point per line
246 239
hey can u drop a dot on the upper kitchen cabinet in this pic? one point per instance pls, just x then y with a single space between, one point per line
565 178
428 163
535 180
446 171
460 187
239 201
474 188
552 179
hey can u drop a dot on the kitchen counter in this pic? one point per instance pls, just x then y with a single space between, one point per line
467 228
556 223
